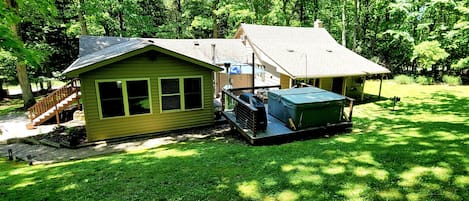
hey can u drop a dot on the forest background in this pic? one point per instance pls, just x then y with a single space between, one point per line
39 38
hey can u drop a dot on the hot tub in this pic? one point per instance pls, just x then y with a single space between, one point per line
307 107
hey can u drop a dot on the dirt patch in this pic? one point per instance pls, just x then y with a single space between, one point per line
75 136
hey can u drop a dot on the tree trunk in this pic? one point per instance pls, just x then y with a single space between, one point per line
178 18
366 21
316 10
82 19
355 30
285 14
344 40
302 14
27 93
49 85
21 70
215 20
120 15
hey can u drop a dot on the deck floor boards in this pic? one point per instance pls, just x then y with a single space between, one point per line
276 129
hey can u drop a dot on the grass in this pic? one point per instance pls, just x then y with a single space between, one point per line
34 87
13 105
417 152
10 105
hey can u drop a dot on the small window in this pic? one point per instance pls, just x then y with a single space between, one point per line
139 101
181 93
112 102
170 94
123 97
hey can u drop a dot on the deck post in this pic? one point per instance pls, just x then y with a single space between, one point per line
253 123
351 110
223 100
57 118
380 85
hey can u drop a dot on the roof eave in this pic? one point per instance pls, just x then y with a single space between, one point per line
340 75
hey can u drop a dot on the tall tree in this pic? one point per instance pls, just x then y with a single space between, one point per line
27 94
344 24
428 53
356 23
82 18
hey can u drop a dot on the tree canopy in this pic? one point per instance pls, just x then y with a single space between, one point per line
404 36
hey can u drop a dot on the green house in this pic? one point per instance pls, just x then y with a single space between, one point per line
132 86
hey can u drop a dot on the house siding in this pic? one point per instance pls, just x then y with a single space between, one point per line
285 81
150 65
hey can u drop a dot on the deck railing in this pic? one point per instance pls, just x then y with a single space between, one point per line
244 112
53 99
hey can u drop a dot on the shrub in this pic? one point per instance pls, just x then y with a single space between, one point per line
424 80
452 80
403 79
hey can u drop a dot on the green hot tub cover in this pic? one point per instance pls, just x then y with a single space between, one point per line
307 107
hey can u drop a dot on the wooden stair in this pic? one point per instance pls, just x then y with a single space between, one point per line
54 103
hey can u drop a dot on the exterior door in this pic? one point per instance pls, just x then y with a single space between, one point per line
338 85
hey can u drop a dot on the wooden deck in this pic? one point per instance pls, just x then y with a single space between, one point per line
277 131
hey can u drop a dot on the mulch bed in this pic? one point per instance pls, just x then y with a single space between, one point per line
63 136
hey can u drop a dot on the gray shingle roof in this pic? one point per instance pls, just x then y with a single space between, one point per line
90 44
98 49
306 52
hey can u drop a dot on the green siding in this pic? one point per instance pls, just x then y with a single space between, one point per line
326 83
150 65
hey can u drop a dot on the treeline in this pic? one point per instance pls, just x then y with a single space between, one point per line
407 36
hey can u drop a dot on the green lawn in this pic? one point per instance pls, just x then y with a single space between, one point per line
418 152
34 87
10 105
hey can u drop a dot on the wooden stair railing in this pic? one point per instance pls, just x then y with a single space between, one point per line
52 100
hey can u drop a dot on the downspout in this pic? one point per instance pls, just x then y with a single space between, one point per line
253 72
215 77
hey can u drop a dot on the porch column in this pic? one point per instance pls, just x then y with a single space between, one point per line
380 86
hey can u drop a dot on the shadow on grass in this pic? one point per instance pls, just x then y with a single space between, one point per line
438 102
389 156
8 106
370 98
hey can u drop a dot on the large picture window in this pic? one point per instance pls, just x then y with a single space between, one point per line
137 95
179 94
123 97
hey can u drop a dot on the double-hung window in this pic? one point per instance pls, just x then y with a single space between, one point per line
124 97
181 93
